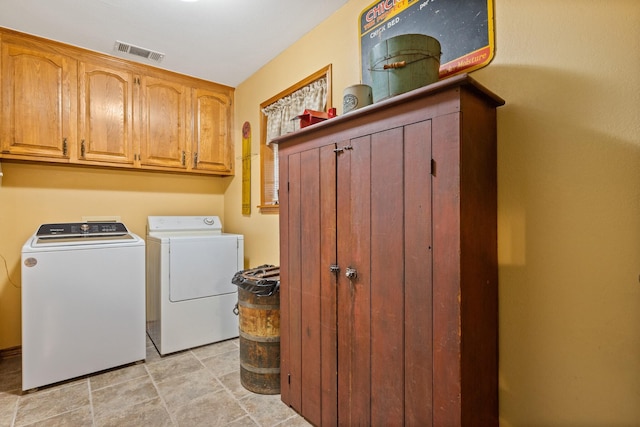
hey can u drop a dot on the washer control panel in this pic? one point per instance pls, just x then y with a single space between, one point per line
82 229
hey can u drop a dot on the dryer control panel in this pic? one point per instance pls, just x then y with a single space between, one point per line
183 223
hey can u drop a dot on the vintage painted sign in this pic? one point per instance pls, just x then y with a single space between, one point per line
464 29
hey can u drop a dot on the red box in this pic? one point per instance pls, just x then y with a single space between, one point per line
310 117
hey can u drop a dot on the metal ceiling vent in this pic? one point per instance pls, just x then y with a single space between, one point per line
138 51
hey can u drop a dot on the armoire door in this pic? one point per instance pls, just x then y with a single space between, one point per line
356 288
308 338
384 287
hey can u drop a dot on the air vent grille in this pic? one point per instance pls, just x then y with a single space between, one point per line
138 51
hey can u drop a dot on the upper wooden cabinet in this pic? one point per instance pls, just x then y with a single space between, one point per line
39 100
105 120
211 141
164 123
64 104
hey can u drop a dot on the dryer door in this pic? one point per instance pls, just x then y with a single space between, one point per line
202 266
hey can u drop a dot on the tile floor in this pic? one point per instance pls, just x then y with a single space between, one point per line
197 387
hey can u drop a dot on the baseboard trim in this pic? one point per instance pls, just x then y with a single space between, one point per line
7 353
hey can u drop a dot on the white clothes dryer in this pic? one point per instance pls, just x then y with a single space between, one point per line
190 297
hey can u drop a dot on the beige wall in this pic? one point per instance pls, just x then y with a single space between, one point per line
569 198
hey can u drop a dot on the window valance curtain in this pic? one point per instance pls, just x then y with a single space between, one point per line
280 115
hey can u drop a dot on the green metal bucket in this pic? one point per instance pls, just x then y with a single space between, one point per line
403 63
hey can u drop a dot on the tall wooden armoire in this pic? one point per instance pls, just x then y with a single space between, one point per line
388 262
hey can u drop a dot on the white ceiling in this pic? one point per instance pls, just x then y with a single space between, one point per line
224 41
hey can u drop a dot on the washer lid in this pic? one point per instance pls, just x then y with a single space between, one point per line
183 223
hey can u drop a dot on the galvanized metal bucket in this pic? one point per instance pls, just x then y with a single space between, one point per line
403 63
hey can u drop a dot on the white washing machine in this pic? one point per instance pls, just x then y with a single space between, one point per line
83 301
190 297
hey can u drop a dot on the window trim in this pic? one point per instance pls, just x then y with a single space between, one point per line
266 152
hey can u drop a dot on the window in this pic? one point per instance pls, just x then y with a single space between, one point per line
277 118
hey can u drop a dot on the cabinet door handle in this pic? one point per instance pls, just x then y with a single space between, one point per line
64 146
184 158
82 148
351 273
334 268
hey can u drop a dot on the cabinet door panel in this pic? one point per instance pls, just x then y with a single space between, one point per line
310 283
213 149
354 296
387 277
446 289
292 288
308 287
286 318
106 125
418 273
385 368
164 132
328 283
38 106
